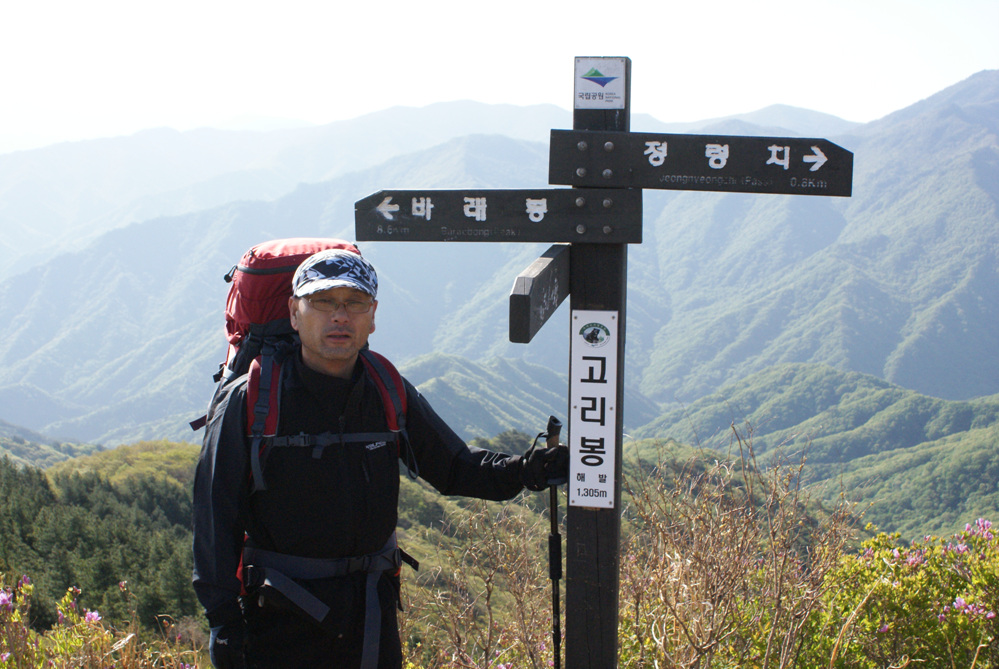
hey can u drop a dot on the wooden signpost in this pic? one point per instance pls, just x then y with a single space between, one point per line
591 225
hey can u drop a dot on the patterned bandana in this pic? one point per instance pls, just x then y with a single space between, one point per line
334 268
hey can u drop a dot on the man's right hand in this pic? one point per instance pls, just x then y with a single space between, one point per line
225 646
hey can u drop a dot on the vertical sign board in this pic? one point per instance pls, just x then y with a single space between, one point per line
593 405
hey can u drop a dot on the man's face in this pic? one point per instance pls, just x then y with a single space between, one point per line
331 334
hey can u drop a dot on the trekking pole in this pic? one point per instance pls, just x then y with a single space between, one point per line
554 545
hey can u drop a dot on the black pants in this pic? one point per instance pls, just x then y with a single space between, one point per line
284 639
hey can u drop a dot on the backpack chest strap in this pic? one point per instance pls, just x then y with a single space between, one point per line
263 399
317 442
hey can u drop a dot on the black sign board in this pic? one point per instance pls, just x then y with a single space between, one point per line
729 163
593 216
538 292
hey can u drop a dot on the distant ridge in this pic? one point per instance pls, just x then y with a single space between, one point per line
121 333
793 121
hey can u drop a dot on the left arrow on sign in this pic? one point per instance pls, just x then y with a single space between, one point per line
387 209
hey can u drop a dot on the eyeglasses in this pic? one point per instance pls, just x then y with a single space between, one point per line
332 306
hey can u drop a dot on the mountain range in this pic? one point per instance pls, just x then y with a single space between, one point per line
912 463
114 250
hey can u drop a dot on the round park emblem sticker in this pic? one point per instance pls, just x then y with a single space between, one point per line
595 334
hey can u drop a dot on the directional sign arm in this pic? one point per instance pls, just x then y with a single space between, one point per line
725 163
538 292
584 215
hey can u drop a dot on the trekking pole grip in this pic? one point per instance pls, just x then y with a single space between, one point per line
553 431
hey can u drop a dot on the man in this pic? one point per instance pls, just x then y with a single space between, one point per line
295 555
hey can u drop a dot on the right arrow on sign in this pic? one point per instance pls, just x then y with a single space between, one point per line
818 158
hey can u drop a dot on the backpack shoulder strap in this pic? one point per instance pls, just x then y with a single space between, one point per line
390 386
263 400
393 393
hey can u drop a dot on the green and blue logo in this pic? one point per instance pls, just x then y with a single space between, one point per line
597 77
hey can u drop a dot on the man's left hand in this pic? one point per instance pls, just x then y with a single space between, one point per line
544 467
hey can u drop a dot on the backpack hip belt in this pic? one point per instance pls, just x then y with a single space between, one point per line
271 575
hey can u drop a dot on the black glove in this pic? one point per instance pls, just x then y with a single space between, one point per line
544 467
225 646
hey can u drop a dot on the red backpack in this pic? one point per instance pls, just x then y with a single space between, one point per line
259 333
256 311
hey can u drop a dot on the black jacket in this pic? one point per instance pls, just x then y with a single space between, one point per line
340 502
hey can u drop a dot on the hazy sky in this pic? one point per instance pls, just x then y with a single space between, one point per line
74 70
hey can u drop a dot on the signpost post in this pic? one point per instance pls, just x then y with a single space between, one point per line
598 295
591 225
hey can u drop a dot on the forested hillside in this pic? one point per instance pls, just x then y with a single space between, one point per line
121 516
913 464
923 465
117 525
25 447
482 592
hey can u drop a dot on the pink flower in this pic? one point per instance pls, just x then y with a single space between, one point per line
883 628
92 616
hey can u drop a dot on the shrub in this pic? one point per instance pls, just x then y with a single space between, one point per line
726 564
485 603
932 602
81 638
